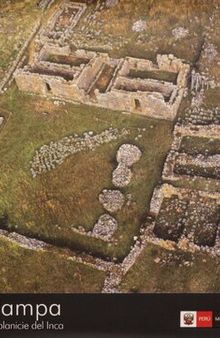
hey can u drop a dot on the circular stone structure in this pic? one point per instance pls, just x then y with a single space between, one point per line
112 200
128 154
105 227
121 176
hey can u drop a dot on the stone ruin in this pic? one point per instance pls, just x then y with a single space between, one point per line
49 156
185 209
113 200
195 154
127 156
105 227
182 218
44 3
94 78
62 22
198 113
186 219
23 241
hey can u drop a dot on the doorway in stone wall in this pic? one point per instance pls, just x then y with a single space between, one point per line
137 104
48 87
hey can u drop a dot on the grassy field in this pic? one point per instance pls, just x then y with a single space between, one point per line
117 37
200 145
53 203
15 28
44 271
159 270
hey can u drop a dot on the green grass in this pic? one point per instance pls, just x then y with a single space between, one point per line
118 38
17 22
200 145
148 276
51 204
44 271
195 170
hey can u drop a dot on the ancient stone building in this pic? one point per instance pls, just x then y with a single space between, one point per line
128 84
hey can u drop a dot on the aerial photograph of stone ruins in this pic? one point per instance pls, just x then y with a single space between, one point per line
110 146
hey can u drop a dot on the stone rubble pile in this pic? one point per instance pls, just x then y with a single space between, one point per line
139 26
113 280
203 116
127 155
180 33
49 156
112 200
197 114
121 176
105 227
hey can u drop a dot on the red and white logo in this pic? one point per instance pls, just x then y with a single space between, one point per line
204 319
190 319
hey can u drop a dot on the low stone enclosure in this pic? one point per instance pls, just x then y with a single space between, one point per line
186 214
195 154
62 22
185 219
51 155
94 78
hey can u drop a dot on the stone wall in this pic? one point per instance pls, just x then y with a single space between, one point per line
89 73
9 76
197 204
54 32
180 165
148 96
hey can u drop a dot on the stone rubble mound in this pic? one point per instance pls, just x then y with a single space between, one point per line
112 200
139 26
121 176
51 155
128 154
105 227
180 33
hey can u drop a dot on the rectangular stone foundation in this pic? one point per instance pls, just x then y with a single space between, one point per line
185 218
129 85
181 165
